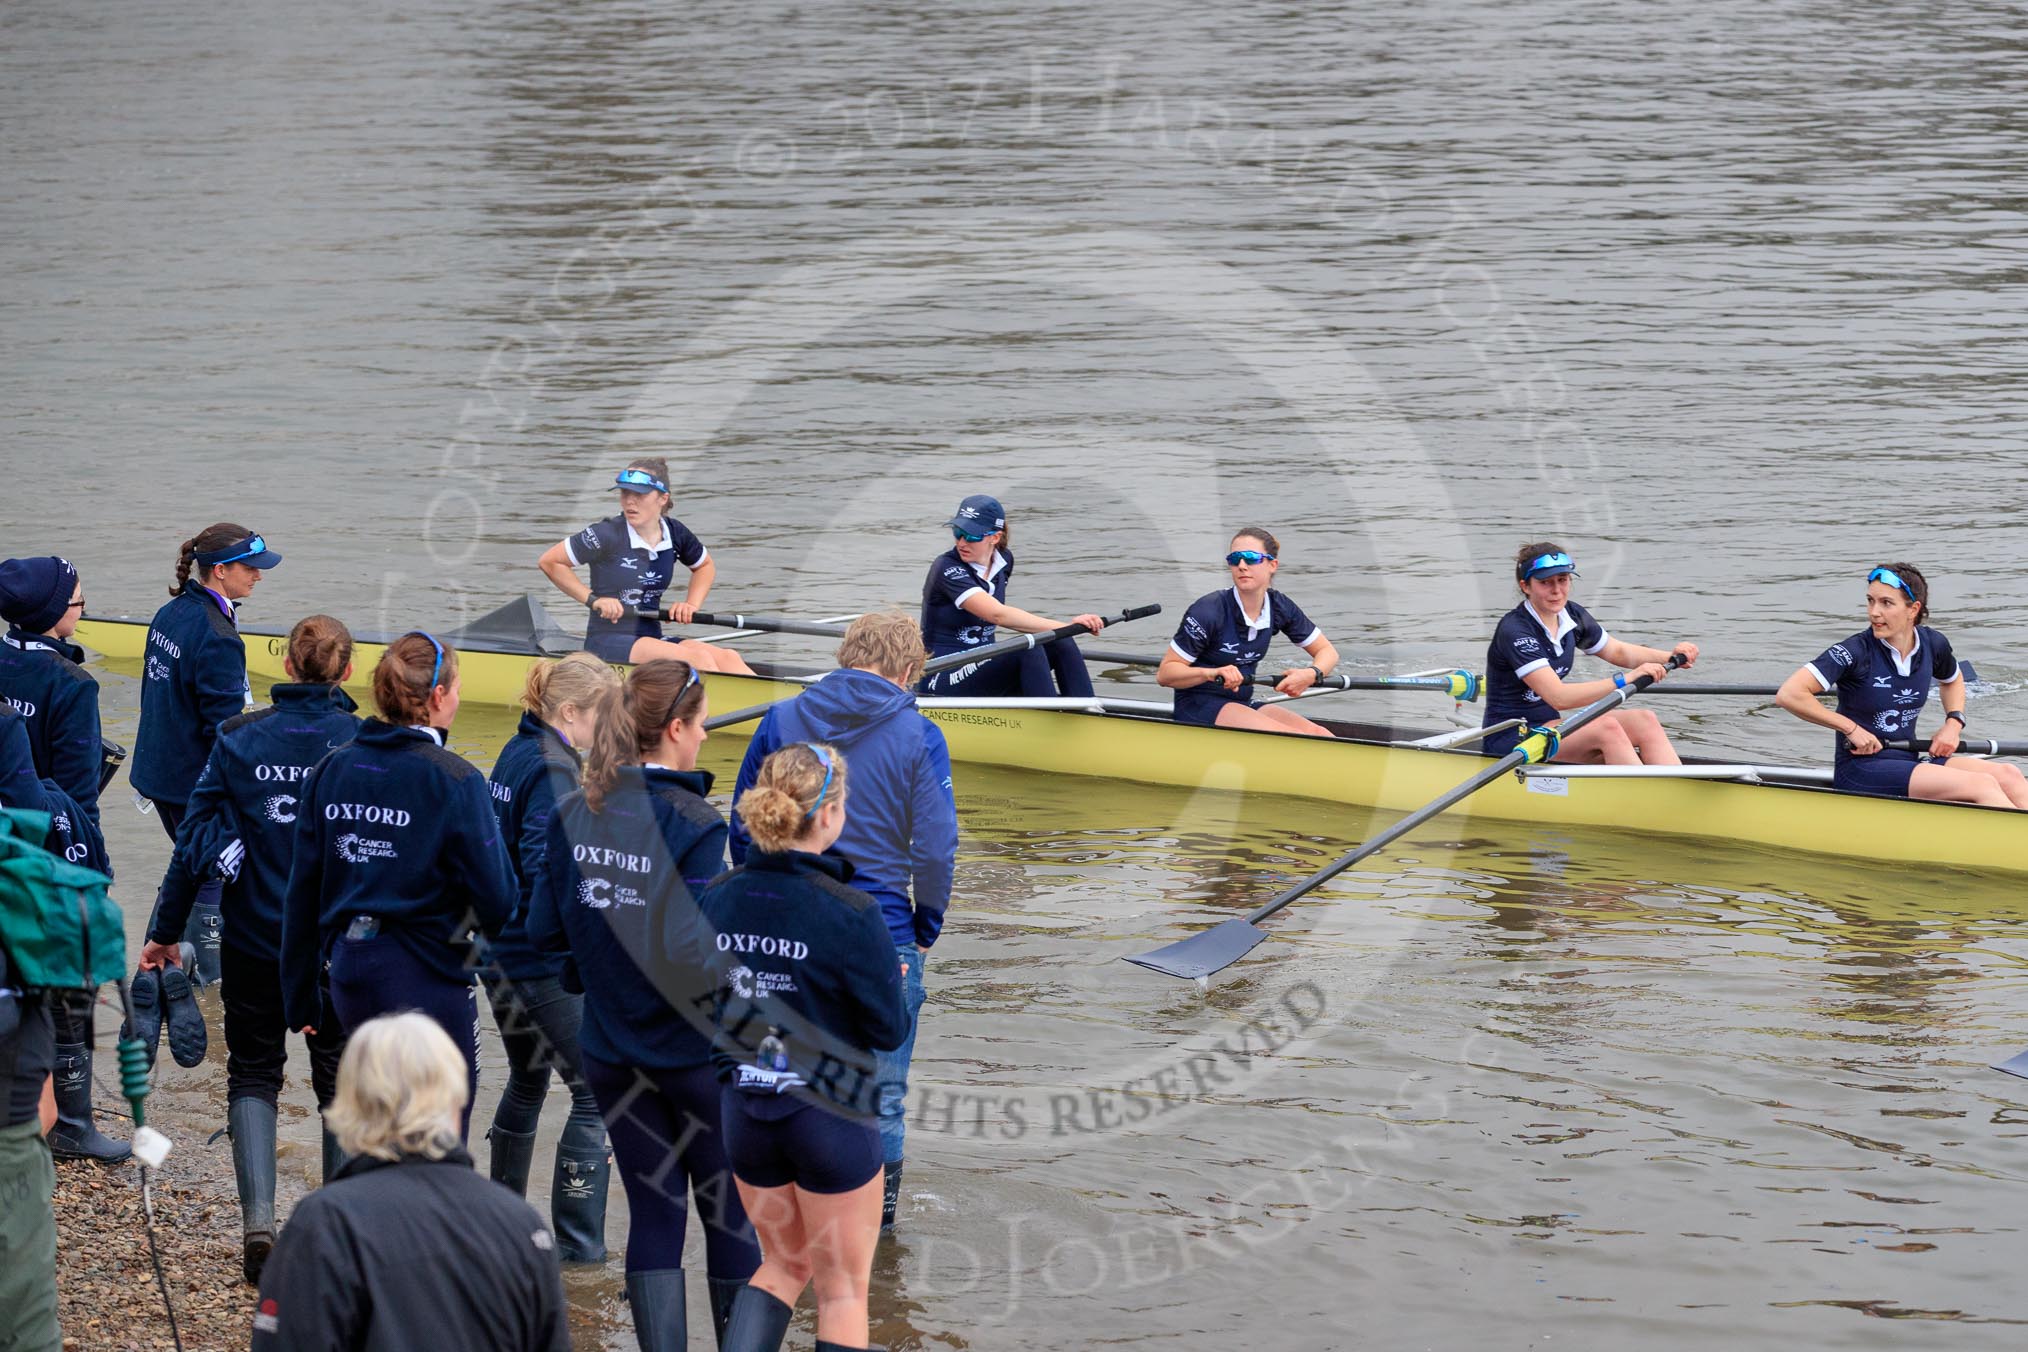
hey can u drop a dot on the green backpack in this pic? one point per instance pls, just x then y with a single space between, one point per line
57 922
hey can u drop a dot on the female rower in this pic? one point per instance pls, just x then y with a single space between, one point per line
196 679
42 678
1529 659
1882 675
626 857
397 858
631 558
241 826
965 598
538 1018
808 992
1225 634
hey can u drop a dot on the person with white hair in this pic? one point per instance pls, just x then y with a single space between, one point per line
408 1248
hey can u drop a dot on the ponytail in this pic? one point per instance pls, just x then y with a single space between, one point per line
206 540
631 717
577 679
401 683
320 648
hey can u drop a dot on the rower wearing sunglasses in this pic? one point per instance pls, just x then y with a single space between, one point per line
1883 676
193 681
631 558
964 600
398 856
1528 668
1225 634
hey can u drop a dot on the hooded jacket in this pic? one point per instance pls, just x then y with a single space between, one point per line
901 824
242 820
533 770
394 826
194 679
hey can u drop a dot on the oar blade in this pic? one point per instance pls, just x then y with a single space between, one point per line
2014 1065
1202 954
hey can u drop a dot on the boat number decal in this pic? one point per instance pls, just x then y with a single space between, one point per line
1549 784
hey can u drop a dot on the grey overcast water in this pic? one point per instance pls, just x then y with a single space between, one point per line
1727 298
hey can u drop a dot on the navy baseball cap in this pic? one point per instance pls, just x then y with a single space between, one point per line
979 515
252 551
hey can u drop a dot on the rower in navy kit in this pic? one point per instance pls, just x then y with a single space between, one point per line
1530 658
539 1019
42 680
20 785
397 858
626 857
964 599
193 681
241 827
808 993
1883 676
1225 634
631 559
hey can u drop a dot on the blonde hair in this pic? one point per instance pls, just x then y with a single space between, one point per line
784 797
576 679
888 642
401 1090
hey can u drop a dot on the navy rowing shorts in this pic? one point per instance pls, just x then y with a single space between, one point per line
815 1147
1885 772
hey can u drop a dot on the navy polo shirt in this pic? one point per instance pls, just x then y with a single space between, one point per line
1522 645
1215 632
1878 688
947 627
622 565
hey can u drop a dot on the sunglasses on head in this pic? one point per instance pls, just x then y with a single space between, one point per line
1892 579
437 670
246 549
1543 563
1253 556
640 481
823 756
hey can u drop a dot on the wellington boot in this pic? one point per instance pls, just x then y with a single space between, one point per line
76 1136
333 1156
823 1346
512 1154
759 1322
207 932
724 1291
660 1321
890 1193
577 1193
252 1124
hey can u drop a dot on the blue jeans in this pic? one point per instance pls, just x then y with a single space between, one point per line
891 1068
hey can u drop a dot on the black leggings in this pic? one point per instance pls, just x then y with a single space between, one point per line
257 1036
371 977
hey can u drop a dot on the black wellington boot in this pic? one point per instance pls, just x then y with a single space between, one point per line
724 1291
252 1125
76 1136
890 1193
512 1154
577 1193
759 1322
823 1346
333 1156
660 1321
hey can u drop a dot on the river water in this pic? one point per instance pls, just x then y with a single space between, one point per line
1724 297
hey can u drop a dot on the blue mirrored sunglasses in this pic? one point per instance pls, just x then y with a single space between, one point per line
1544 562
1239 556
436 671
823 756
253 545
1892 579
640 481
967 537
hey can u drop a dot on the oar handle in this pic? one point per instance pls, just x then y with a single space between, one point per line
1970 746
764 624
1461 684
1023 642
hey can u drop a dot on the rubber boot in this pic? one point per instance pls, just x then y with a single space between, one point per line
724 1291
660 1322
823 1346
252 1124
76 1136
207 928
333 1156
759 1322
513 1153
890 1193
577 1193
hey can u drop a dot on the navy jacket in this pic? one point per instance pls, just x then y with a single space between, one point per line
395 826
43 680
20 783
901 832
619 891
414 1255
534 770
802 954
242 820
194 680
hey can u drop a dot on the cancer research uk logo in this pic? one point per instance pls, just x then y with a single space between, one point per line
354 848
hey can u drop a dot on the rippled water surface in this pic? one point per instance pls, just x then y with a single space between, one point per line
1725 297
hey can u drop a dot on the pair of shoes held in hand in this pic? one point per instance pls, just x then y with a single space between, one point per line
163 995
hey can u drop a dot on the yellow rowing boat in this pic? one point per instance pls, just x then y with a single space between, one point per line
1369 766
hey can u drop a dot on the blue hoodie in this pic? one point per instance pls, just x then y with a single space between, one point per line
194 679
618 893
901 830
802 954
533 770
42 679
395 826
242 821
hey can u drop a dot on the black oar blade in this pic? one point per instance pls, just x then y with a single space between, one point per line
1202 954
2013 1065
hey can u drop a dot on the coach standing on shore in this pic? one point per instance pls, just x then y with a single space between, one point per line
902 833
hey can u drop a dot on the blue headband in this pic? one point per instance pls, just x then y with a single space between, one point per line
438 669
823 756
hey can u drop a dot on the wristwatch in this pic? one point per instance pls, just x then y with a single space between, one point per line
1619 680
1953 713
